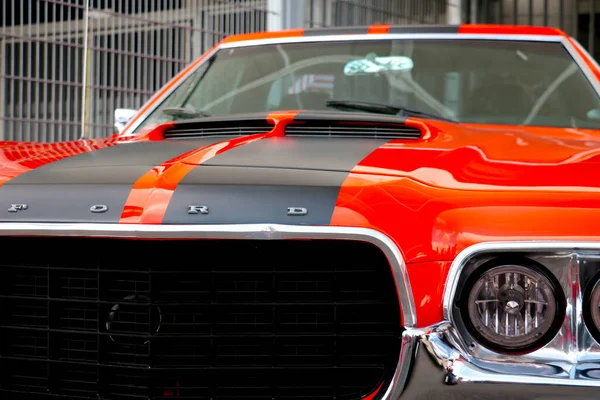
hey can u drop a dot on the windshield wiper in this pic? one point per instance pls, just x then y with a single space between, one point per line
382 109
185 112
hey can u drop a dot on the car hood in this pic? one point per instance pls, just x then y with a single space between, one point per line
456 185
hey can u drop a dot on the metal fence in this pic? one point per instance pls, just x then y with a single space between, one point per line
132 49
57 71
576 17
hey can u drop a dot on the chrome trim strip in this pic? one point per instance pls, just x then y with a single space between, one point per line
587 53
589 74
389 36
251 231
573 353
460 370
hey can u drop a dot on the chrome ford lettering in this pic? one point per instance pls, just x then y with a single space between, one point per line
17 207
99 208
197 209
297 211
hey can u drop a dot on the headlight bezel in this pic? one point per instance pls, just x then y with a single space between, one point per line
466 326
591 294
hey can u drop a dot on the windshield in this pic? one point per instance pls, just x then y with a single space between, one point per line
471 81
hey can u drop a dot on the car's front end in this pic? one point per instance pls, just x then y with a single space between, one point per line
383 213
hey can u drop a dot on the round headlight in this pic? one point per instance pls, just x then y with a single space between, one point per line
512 308
594 309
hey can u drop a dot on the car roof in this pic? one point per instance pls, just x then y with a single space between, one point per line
480 29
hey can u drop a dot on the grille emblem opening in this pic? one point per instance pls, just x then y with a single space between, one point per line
122 316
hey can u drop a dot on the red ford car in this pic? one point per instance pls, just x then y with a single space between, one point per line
348 214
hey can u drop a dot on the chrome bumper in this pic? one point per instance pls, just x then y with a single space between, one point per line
436 368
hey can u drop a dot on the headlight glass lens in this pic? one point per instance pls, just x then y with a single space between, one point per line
511 307
595 306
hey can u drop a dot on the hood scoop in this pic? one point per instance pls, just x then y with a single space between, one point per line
303 124
341 130
215 127
352 125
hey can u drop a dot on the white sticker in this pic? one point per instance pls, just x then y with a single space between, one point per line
373 64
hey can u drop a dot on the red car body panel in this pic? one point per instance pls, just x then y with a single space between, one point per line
434 197
456 186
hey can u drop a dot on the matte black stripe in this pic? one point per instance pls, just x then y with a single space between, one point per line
424 29
64 191
256 183
359 30
331 154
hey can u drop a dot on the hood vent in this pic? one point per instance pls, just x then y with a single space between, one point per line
207 128
353 130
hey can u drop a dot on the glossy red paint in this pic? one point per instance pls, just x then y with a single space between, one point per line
151 194
378 29
264 35
16 158
427 283
509 30
468 184
374 394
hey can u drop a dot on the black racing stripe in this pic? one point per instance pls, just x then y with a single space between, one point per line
331 154
358 30
255 195
256 183
424 29
64 191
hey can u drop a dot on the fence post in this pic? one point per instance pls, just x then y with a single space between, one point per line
285 14
454 12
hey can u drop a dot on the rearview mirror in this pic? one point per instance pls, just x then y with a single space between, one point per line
122 117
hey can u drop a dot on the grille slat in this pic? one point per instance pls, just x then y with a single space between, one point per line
215 128
268 320
340 130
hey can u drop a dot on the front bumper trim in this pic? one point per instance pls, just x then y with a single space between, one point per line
437 368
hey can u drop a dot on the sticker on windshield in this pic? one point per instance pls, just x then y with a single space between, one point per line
373 64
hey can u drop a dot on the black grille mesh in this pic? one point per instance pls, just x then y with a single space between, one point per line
124 319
